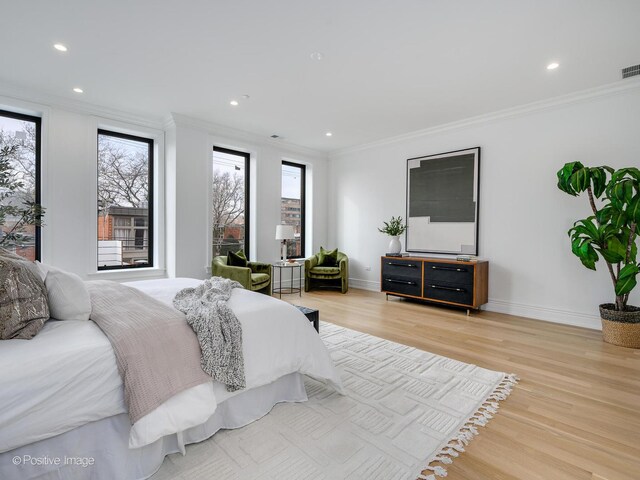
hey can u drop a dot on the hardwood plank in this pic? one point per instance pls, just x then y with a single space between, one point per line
574 414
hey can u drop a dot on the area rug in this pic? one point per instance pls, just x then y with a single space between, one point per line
406 415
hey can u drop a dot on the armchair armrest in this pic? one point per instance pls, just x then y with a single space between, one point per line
259 267
343 263
242 275
310 262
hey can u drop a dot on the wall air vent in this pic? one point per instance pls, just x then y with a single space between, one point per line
631 71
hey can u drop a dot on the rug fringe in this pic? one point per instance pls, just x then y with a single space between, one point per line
455 446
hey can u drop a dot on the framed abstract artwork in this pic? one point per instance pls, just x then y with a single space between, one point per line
442 202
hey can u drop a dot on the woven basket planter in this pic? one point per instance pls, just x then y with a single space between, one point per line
620 328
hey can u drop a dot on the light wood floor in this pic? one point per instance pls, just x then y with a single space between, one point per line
575 413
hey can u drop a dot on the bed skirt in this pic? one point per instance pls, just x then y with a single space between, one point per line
99 450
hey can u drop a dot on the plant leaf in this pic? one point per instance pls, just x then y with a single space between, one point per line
611 256
629 270
622 190
604 214
633 210
588 256
615 244
598 180
580 180
615 251
588 228
627 279
564 176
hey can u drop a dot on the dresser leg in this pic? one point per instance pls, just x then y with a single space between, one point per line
387 297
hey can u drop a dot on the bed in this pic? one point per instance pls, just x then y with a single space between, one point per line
63 412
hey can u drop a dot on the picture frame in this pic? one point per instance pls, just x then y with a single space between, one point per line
442 193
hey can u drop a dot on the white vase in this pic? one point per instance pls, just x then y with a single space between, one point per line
394 245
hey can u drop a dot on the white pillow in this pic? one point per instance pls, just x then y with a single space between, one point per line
68 295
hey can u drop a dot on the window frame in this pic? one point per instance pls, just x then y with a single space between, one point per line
38 153
151 233
247 195
303 203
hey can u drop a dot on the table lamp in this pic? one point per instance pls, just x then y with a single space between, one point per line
284 233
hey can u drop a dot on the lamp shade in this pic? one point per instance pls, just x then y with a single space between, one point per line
284 232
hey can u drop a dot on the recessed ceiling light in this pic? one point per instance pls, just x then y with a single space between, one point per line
329 134
60 47
78 90
316 56
234 103
553 66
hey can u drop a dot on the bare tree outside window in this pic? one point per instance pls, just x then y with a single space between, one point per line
229 202
125 228
20 215
123 172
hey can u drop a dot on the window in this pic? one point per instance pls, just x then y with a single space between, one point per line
230 201
125 201
292 209
20 184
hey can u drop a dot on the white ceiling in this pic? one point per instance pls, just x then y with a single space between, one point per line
389 67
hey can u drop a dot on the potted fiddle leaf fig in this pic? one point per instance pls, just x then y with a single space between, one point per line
611 233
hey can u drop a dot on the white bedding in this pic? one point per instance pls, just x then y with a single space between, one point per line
67 376
62 378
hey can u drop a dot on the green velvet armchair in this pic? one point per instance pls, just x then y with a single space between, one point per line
316 275
255 277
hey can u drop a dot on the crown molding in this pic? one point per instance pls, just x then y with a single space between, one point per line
25 94
616 88
168 122
211 128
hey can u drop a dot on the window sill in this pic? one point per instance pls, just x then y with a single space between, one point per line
129 275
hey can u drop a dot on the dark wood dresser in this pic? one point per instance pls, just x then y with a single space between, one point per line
440 280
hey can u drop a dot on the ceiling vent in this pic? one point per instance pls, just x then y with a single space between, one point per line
631 71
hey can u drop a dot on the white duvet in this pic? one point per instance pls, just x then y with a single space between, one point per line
66 375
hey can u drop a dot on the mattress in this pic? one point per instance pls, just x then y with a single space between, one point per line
62 378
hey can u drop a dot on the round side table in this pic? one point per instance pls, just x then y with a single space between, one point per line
291 266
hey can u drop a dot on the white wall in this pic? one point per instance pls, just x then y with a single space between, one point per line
189 149
523 216
69 183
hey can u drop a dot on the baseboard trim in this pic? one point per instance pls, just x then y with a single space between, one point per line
536 312
364 284
554 315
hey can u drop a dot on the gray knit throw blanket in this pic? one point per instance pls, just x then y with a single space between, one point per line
217 328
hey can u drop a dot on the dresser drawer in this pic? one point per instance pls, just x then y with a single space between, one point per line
402 268
404 285
454 273
448 292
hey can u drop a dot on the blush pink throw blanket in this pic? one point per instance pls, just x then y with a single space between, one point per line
157 353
